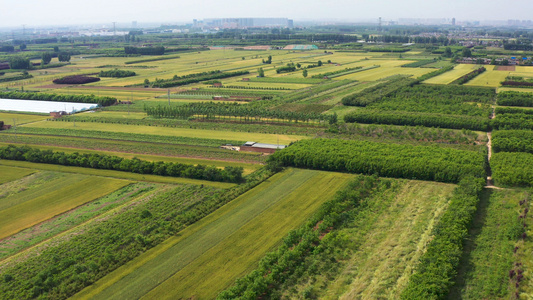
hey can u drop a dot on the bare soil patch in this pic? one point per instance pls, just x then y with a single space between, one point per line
505 68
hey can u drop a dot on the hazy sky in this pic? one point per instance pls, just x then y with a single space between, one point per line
14 13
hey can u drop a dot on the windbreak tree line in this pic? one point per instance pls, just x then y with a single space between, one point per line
239 112
194 78
135 165
391 160
116 73
103 101
160 50
418 119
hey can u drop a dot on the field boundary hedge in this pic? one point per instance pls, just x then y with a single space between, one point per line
103 101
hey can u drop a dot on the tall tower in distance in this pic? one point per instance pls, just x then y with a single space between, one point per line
379 26
453 21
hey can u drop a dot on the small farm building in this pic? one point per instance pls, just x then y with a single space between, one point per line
260 147
57 114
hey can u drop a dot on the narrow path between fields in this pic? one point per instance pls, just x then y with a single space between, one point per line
490 182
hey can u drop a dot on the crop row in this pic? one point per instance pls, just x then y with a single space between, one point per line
108 162
390 160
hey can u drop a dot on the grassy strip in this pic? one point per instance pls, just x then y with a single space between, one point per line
8 174
202 137
512 169
435 73
53 200
158 58
434 274
488 257
123 136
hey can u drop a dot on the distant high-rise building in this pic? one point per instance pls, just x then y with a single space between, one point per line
379 26
243 22
453 21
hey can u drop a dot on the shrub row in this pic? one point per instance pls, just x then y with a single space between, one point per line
437 268
15 78
116 73
328 74
135 165
418 63
390 160
76 79
103 101
510 83
418 119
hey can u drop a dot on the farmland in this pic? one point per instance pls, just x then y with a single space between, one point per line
407 172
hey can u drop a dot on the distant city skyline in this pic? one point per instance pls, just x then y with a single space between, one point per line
36 13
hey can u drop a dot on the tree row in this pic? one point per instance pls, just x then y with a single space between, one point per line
135 165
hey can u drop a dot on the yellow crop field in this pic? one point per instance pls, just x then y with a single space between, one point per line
450 76
32 206
490 77
208 256
8 174
185 132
